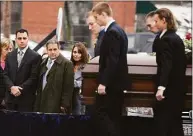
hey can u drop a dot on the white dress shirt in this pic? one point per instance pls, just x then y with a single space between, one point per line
23 50
108 24
163 32
49 66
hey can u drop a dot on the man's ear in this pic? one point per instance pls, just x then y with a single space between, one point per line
104 13
164 19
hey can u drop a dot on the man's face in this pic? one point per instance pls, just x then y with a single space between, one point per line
53 51
150 23
21 40
100 19
159 23
92 25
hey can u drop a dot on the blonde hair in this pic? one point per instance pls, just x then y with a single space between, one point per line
88 14
102 7
5 42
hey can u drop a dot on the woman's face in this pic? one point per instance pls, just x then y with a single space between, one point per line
76 55
6 50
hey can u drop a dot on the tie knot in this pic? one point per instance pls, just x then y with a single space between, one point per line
49 61
20 53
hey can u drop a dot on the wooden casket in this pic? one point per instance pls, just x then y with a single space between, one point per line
142 70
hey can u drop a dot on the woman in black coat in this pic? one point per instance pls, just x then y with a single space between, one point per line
6 46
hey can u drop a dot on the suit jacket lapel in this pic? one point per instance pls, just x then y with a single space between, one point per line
57 62
102 44
43 67
111 25
53 68
14 63
104 35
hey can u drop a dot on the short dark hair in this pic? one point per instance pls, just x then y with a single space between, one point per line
150 14
52 42
21 31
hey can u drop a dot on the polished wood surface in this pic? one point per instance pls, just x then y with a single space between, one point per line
142 70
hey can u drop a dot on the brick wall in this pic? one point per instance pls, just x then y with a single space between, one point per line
40 18
124 14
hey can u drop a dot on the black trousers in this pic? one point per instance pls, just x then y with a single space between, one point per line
76 102
17 107
107 113
167 118
2 107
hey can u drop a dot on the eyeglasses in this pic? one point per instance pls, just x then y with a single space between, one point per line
20 38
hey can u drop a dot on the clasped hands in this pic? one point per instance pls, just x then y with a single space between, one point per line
15 90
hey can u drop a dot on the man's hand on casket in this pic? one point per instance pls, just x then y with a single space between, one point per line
159 94
101 90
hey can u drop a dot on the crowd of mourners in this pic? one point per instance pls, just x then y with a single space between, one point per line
52 84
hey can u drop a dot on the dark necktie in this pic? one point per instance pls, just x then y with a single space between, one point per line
49 64
19 57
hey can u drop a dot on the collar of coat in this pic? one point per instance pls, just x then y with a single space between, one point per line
58 60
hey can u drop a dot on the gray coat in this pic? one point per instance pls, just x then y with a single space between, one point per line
59 87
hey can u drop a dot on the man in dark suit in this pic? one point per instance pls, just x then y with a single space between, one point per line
21 74
171 68
150 24
98 43
54 94
113 70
